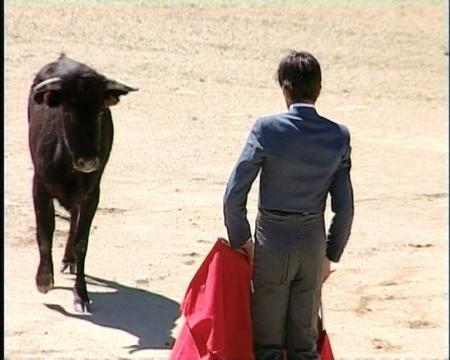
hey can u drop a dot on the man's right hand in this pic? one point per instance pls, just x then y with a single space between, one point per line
327 271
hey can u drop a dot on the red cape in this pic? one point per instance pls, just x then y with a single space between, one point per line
217 310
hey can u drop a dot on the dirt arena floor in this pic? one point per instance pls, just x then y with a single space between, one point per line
205 72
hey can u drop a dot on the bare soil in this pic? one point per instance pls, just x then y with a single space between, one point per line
205 72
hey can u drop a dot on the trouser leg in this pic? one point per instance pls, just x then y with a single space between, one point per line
269 304
304 303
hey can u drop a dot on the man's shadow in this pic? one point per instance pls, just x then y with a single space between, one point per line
148 316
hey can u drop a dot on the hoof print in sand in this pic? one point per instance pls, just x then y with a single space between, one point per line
363 306
142 282
421 324
381 344
420 246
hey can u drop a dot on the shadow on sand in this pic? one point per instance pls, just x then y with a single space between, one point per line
148 316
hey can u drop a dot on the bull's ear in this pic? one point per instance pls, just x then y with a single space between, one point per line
48 92
38 98
111 98
49 98
114 89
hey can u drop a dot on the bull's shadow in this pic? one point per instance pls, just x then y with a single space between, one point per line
146 315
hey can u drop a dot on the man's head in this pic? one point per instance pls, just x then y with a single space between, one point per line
300 77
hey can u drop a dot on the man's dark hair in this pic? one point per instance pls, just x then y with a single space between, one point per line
299 73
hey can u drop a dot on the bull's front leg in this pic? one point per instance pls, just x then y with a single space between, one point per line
86 214
69 253
45 226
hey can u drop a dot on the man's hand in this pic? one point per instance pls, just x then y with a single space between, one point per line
327 271
248 249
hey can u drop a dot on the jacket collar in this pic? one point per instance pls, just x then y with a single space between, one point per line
303 108
302 104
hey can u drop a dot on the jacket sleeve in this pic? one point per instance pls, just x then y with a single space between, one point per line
341 192
238 187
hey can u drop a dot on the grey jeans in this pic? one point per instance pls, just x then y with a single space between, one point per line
287 277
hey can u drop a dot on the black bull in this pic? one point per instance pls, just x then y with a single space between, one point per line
70 139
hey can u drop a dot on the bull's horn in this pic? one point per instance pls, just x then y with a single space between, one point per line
120 86
49 84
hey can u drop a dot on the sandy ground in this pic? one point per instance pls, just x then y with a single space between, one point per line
205 73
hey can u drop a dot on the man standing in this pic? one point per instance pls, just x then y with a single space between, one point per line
302 157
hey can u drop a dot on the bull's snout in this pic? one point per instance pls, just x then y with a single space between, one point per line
86 165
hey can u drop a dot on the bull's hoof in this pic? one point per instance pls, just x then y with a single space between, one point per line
44 282
81 306
81 299
67 264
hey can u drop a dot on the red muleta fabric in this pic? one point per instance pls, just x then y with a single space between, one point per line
216 307
323 343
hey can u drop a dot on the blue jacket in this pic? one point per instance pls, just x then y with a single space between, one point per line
302 157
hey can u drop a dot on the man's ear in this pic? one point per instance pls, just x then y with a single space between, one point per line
317 92
287 97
